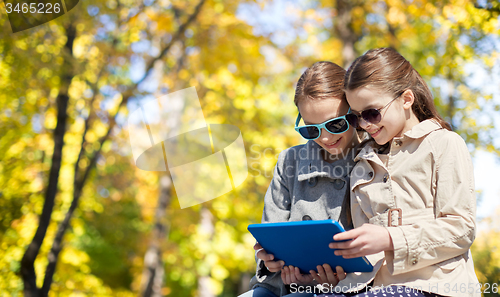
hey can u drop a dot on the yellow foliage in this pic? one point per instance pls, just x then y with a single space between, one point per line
219 273
242 79
486 251
74 257
396 16
50 120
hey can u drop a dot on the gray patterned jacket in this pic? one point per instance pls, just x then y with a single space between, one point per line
304 187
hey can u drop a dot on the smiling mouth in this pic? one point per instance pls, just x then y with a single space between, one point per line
376 131
334 143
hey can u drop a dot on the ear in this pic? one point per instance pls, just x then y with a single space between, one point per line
408 99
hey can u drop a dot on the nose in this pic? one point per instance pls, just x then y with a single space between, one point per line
363 123
325 135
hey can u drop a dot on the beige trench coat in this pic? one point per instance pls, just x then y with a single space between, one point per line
428 175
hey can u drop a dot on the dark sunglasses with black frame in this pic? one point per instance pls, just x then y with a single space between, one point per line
371 115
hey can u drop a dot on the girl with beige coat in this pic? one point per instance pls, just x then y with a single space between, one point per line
413 202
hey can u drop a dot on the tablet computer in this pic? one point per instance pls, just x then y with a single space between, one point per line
304 244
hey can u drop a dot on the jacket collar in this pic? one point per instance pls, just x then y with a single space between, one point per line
368 152
418 131
422 129
311 164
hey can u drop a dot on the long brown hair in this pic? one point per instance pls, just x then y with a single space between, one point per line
387 70
322 80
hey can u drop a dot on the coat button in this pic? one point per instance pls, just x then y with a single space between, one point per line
338 184
370 174
398 142
312 181
414 261
386 177
306 218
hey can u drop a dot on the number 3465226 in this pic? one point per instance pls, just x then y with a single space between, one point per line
33 8
471 288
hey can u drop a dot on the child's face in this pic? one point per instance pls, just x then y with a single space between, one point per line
321 110
394 116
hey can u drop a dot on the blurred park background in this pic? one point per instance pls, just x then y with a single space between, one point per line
77 218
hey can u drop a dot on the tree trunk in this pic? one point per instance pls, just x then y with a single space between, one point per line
153 273
451 101
28 261
393 40
343 28
28 273
207 226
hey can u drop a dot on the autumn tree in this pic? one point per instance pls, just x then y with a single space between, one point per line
85 58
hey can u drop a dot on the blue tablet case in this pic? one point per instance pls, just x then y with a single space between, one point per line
304 244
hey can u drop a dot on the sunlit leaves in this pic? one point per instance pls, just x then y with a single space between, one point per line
486 253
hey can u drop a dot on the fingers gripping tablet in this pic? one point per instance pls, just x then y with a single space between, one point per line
304 244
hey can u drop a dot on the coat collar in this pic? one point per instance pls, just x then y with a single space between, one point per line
418 131
368 152
311 164
422 129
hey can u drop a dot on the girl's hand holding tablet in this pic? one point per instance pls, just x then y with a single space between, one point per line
272 266
291 274
365 240
325 274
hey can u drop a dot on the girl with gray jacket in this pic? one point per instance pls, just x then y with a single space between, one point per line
311 181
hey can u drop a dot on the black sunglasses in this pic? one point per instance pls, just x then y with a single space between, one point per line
371 115
335 126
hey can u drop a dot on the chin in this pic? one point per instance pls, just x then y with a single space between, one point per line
335 151
381 141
